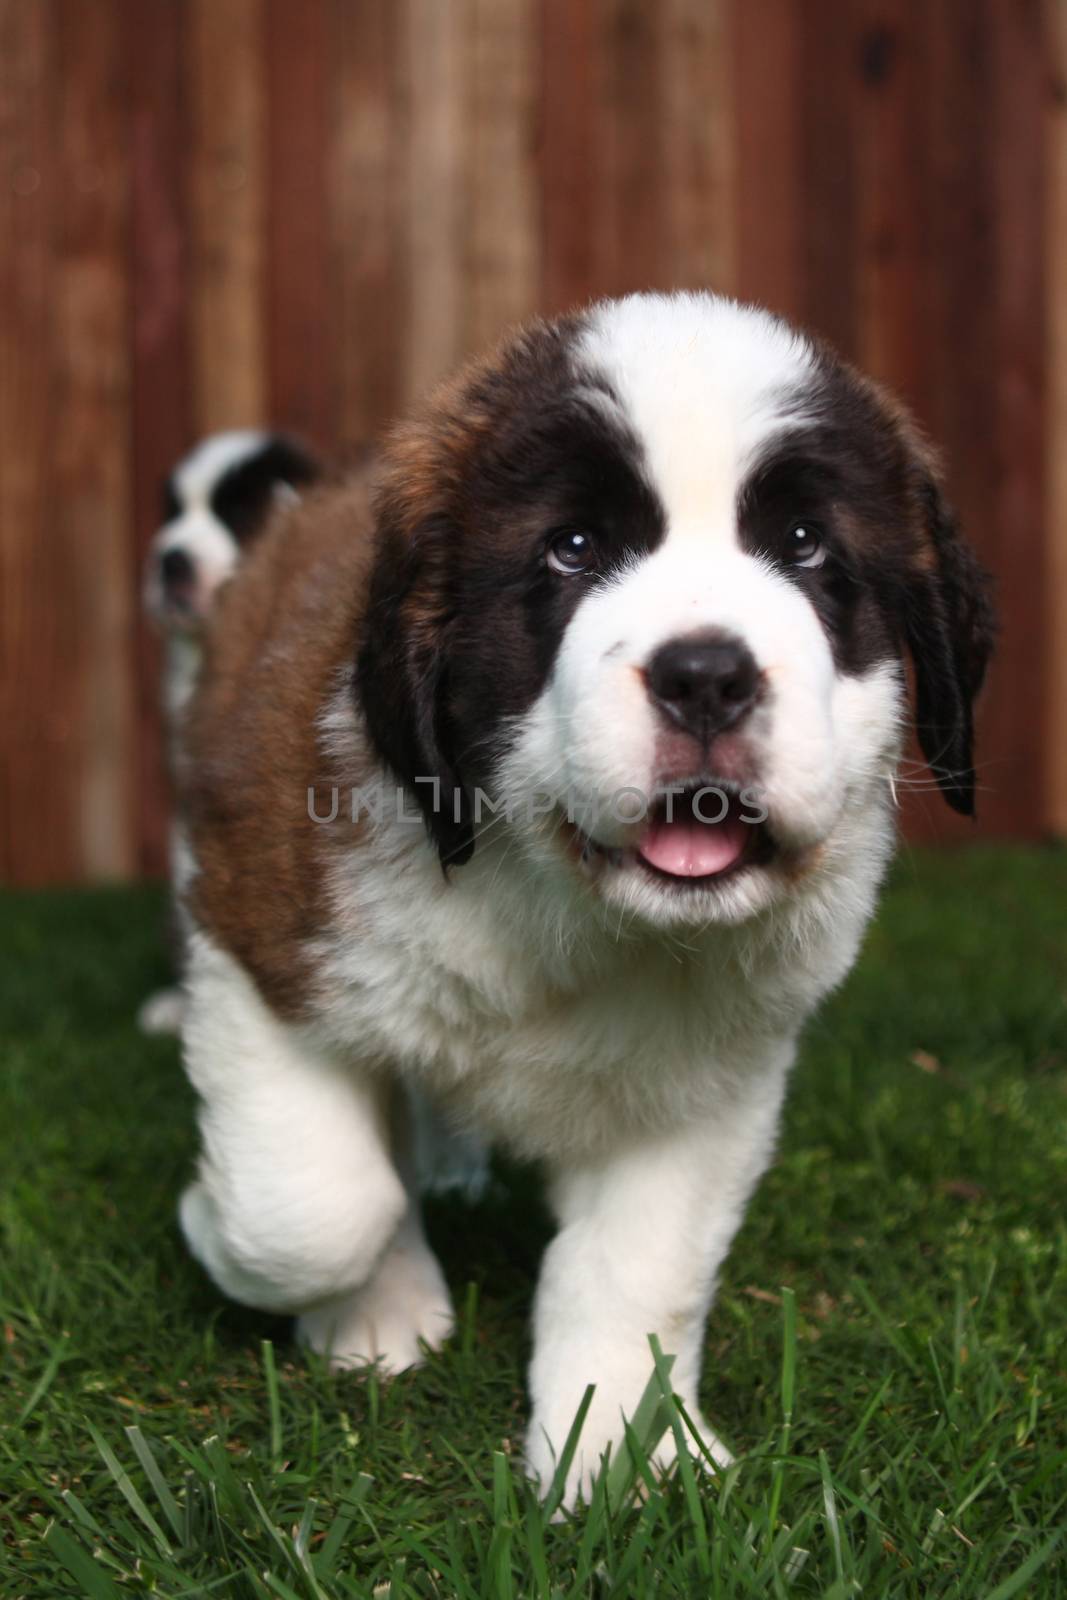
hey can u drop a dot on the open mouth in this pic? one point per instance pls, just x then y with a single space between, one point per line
174 607
692 839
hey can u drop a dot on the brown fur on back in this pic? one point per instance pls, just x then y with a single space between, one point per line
283 631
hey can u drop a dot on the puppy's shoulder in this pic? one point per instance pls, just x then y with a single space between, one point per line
298 596
284 634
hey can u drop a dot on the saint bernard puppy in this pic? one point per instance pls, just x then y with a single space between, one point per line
215 502
556 780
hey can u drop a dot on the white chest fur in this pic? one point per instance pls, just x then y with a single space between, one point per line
551 1027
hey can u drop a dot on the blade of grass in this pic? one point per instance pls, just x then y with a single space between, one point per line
789 1379
637 1543
593 1534
469 1320
558 1485
832 1522
534 1523
686 1467
279 1587
868 1412
270 1372
1014 1583
325 1558
285 1546
59 1353
643 1432
81 1515
909 1358
150 1467
129 1492
302 1536
94 1582
505 1516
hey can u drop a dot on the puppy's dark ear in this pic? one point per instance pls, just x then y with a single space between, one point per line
949 625
402 674
288 461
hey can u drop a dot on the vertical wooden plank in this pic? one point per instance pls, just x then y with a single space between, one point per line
629 191
1017 43
90 526
697 146
161 420
36 835
768 181
984 231
368 211
890 199
300 300
960 262
434 60
829 65
958 291
569 43
226 183
1056 417
502 256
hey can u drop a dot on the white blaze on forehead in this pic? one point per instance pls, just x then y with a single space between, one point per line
204 538
702 381
195 478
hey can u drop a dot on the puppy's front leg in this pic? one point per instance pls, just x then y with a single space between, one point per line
643 1232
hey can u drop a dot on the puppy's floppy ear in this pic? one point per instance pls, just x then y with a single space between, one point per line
289 461
949 626
402 672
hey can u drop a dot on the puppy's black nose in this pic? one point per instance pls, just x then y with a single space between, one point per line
704 683
176 569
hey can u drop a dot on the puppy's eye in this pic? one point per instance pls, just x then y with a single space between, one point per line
570 552
804 545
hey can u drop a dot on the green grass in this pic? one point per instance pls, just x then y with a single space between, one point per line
900 1405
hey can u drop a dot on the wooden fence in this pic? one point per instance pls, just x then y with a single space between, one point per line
219 212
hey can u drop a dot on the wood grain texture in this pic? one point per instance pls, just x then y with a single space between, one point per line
501 238
698 151
90 527
569 48
1018 546
830 66
890 208
959 333
37 715
765 38
161 422
629 193
434 62
1054 628
366 178
225 88
300 298
217 213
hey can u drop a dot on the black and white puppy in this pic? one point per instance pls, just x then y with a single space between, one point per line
626 624
215 502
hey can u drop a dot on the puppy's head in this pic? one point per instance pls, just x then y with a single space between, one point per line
216 500
646 583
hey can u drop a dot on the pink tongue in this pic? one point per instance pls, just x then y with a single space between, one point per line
686 848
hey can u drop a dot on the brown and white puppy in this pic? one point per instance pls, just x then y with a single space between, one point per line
625 625
216 502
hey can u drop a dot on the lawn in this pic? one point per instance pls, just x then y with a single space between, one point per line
887 1354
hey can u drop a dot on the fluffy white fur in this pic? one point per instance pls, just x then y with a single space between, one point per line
634 1040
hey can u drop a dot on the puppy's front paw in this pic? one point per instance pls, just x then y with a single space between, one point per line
163 1012
601 1432
404 1307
